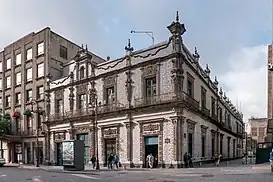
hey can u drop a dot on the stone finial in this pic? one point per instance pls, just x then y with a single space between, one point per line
128 48
221 91
196 55
225 97
207 70
82 46
86 48
177 16
215 81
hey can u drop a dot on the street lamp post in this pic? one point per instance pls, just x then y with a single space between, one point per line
149 33
34 102
96 133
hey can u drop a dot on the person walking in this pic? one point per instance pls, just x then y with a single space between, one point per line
116 161
150 160
93 161
110 161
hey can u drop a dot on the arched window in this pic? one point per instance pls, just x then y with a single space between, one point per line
82 72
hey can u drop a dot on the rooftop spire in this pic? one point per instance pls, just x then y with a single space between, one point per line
128 48
177 16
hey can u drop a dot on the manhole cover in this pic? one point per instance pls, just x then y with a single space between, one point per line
207 176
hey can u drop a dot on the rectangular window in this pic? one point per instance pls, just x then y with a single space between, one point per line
18 126
40 48
8 101
8 81
1 103
229 120
40 92
18 78
203 145
1 82
221 114
29 74
8 63
254 131
82 101
59 106
63 52
40 70
221 144
213 145
110 95
150 90
213 105
40 120
18 98
1 67
29 125
190 86
29 54
203 97
28 95
18 59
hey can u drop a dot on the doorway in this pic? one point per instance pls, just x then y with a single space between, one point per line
110 148
151 147
59 161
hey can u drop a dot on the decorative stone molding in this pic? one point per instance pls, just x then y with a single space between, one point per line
109 81
82 89
82 129
59 94
204 130
149 71
190 126
59 137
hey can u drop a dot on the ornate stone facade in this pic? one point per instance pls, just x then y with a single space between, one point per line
159 105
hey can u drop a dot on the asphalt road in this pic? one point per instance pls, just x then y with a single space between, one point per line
221 174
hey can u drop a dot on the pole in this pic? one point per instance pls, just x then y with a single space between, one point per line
246 148
96 134
37 138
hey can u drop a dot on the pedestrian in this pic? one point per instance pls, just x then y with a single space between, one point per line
110 161
150 160
93 160
116 161
186 161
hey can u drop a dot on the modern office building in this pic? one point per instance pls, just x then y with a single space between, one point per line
157 100
24 69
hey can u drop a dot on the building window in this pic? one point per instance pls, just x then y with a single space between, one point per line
18 59
18 98
1 67
234 148
8 63
82 101
190 143
29 125
221 144
40 70
226 117
29 54
59 106
203 97
212 144
82 72
40 120
40 92
8 101
8 81
40 48
203 140
63 52
213 104
18 78
110 95
1 82
221 114
261 131
150 85
28 95
18 126
229 120
29 74
190 88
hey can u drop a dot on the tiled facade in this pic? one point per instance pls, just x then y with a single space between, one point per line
159 92
24 68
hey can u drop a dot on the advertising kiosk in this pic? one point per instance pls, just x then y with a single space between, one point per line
73 155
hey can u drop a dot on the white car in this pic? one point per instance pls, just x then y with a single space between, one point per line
2 162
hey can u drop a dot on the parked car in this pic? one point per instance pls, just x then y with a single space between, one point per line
2 162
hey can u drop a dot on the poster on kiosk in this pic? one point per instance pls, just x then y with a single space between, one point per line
73 155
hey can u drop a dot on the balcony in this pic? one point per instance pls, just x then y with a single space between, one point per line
191 101
158 99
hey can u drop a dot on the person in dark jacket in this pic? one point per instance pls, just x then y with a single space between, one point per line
186 160
116 161
110 161
93 160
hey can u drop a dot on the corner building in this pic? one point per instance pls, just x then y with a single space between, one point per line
157 100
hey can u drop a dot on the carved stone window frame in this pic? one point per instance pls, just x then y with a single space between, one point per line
58 95
158 133
191 130
117 137
204 134
150 71
80 90
191 79
108 82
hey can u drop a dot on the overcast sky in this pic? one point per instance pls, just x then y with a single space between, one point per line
231 35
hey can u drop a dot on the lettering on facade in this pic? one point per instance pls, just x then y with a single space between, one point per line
151 128
110 133
149 70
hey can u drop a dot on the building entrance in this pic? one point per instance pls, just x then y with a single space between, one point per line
59 161
110 148
151 147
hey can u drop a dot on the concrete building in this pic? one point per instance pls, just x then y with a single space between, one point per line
258 128
24 66
157 100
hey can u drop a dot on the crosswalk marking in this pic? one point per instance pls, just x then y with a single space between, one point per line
85 176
